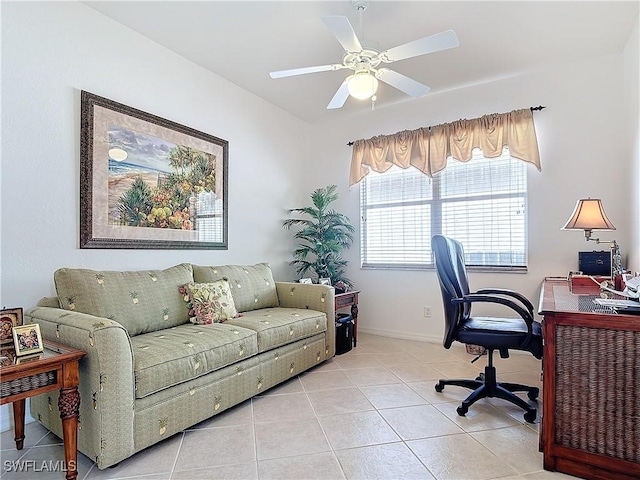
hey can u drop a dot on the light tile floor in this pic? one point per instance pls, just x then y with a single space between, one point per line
371 413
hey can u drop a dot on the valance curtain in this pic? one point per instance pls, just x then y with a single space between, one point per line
427 148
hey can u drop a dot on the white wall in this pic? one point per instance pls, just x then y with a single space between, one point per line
632 100
584 151
52 51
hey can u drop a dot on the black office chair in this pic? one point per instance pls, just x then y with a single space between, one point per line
502 334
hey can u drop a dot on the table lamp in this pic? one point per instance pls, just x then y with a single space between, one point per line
588 216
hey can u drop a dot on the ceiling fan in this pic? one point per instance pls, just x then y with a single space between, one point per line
365 62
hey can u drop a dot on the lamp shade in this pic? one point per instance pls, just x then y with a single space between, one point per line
589 215
362 85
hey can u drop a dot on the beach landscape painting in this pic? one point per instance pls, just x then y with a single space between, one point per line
147 182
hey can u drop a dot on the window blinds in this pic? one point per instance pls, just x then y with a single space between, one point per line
481 203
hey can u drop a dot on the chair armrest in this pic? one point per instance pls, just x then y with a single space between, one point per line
314 297
481 298
511 293
107 383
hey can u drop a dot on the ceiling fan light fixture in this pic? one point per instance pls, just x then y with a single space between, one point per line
362 85
364 61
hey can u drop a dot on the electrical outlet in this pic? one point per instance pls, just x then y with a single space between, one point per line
427 312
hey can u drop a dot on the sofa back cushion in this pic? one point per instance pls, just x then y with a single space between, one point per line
252 286
143 301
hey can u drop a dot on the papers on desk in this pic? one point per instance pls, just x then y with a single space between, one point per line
609 302
620 306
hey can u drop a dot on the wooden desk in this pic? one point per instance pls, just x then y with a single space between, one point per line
349 299
591 385
56 369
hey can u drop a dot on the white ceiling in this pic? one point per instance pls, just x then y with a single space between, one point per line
243 41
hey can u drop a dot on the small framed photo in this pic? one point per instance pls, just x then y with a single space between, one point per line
27 339
324 281
8 320
306 280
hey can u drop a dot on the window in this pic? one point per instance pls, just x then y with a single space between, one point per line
482 203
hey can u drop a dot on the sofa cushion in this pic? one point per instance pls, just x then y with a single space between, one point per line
252 286
209 302
278 326
169 357
143 301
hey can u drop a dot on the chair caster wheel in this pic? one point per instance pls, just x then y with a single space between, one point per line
530 417
462 410
439 387
533 393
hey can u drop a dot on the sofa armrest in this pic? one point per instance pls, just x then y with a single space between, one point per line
314 297
107 381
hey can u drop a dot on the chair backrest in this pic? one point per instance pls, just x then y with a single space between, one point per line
452 274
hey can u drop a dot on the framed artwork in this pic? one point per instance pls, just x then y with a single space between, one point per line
27 339
324 281
7 355
305 280
8 319
149 183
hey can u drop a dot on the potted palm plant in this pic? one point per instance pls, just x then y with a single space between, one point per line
323 234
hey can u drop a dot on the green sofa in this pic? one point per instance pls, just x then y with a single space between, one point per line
150 373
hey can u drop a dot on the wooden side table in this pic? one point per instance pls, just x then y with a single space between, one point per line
349 299
55 368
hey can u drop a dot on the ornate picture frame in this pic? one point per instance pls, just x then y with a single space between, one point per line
149 183
9 319
27 339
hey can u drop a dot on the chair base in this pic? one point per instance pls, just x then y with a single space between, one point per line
486 385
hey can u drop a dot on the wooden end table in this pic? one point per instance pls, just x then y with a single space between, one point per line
55 368
349 299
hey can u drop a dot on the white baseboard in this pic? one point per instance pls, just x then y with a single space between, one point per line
6 416
403 336
421 338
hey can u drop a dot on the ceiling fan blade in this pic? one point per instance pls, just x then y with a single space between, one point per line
304 70
434 43
343 31
402 82
340 97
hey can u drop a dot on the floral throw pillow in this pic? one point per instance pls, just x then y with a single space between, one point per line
209 302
